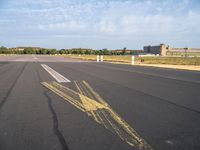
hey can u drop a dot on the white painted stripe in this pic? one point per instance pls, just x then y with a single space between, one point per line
58 77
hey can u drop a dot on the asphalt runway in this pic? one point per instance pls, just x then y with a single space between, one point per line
59 103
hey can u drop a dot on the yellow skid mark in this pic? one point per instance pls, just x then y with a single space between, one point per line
90 102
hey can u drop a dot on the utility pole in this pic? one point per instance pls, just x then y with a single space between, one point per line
185 51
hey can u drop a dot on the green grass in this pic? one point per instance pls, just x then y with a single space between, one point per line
122 59
195 54
169 60
114 58
143 60
85 57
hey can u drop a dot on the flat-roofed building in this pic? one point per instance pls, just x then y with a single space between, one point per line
163 49
159 49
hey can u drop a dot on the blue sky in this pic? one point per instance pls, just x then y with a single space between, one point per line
99 24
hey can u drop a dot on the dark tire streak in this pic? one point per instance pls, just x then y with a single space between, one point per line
13 85
55 124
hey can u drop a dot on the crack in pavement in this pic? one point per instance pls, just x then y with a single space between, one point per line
55 124
55 118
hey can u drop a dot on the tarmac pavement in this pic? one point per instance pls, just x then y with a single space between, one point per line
72 104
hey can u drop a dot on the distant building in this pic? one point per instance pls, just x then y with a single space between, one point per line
23 48
162 49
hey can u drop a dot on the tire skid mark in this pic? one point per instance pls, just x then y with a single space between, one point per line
13 85
90 102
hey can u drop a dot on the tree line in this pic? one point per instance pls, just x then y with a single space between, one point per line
85 51
80 51
104 51
4 50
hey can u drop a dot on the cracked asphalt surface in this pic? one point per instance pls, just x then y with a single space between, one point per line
162 105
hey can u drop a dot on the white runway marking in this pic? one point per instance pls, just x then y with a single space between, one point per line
58 77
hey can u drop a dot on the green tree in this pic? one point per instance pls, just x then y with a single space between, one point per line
29 51
79 51
62 51
87 52
124 51
43 51
52 51
105 51
3 50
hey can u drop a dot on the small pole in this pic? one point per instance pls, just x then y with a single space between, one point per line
185 51
101 58
133 60
97 58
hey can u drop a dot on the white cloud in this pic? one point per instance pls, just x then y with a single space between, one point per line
147 20
64 26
